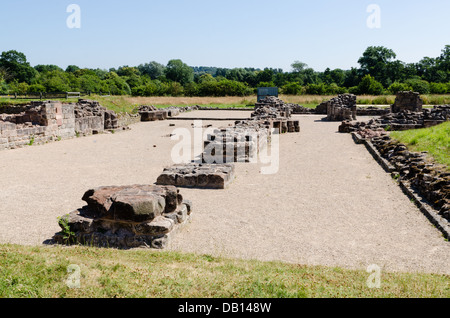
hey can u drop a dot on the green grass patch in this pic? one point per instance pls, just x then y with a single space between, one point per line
42 272
435 140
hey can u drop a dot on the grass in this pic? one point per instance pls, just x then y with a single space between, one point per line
434 140
42 272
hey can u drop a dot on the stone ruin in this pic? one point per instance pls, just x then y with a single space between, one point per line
42 122
403 120
407 101
343 107
225 146
92 118
195 175
271 107
243 141
37 123
235 144
151 113
272 112
126 217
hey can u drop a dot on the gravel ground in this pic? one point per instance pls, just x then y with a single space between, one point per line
329 204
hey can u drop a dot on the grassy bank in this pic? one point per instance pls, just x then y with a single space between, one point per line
42 272
435 140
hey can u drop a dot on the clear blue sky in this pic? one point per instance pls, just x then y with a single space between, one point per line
244 33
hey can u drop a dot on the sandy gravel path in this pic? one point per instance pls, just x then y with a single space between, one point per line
329 204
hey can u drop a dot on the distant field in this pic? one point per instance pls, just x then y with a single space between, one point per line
130 103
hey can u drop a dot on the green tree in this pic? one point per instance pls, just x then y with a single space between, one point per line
370 86
298 67
47 68
376 61
128 71
15 65
153 69
177 71
72 68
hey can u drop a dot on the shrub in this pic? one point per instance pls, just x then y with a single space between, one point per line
418 85
370 86
36 88
396 87
334 89
316 89
293 88
438 88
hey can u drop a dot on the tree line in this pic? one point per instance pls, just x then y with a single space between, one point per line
379 73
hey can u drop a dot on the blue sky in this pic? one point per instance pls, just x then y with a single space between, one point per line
244 33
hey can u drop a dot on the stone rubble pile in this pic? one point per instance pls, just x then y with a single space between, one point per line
126 217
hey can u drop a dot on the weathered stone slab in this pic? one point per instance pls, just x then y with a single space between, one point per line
194 175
